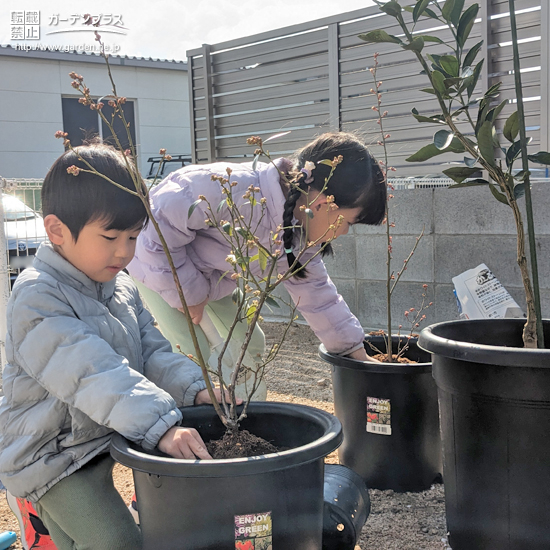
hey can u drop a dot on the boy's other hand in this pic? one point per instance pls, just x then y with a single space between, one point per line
203 398
183 443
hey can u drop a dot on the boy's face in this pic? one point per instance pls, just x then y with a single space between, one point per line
98 253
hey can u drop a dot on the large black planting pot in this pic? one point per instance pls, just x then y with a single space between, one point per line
402 451
494 400
210 504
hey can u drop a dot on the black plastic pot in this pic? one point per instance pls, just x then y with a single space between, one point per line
399 446
347 507
494 399
215 504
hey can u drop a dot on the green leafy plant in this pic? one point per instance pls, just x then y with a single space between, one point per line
467 124
238 225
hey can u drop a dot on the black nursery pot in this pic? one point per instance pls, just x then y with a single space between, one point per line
390 419
494 399
220 504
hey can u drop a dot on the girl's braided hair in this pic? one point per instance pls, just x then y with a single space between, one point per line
357 182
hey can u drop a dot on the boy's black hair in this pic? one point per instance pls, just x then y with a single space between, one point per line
85 198
357 182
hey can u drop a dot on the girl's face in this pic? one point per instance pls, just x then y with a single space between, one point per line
325 225
98 253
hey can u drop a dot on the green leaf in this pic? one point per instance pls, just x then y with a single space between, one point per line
519 190
469 162
428 38
325 161
227 228
442 139
511 127
485 142
471 55
250 313
542 157
465 24
271 302
473 80
255 162
429 151
448 10
501 197
192 207
432 120
263 257
221 205
470 183
237 295
309 213
514 151
391 8
380 36
493 113
428 90
417 45
419 8
438 80
449 64
460 173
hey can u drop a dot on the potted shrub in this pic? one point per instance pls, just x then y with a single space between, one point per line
388 409
272 497
492 375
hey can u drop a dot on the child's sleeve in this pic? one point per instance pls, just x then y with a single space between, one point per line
323 308
173 372
172 201
82 370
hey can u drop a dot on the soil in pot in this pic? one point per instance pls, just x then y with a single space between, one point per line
239 444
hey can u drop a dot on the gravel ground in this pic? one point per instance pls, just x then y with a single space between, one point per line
398 521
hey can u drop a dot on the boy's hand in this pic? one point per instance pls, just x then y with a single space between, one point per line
183 443
203 398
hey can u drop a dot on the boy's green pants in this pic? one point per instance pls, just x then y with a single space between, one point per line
84 511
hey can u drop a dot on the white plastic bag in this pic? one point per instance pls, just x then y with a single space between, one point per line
480 295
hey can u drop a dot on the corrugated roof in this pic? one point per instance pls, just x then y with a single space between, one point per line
90 57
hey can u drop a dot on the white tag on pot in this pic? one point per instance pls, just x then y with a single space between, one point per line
378 416
480 295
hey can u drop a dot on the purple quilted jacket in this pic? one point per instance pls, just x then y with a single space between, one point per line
199 251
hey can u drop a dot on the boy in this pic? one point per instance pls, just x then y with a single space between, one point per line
84 360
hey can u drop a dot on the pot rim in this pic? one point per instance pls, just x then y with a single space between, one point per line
375 368
123 451
435 344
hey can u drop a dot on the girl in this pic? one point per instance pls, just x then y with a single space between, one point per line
199 251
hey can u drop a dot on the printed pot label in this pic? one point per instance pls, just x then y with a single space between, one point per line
378 416
254 532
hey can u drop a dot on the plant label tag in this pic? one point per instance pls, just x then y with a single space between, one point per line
254 532
378 416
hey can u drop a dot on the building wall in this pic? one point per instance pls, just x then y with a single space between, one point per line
462 229
30 108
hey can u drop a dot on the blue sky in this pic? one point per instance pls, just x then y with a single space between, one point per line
165 28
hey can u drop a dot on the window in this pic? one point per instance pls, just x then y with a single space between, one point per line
81 123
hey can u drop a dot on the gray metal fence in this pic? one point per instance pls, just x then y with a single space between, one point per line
313 77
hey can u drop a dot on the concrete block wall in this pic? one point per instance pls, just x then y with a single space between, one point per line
462 228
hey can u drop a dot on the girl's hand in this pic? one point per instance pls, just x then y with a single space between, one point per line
196 312
183 443
203 398
361 355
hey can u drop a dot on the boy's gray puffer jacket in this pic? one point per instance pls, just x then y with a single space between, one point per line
83 360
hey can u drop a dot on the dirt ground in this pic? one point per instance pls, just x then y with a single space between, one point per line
398 521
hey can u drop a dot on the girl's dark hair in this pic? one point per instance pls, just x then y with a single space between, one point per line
78 200
357 182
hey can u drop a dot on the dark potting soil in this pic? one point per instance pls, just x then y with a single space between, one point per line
239 444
